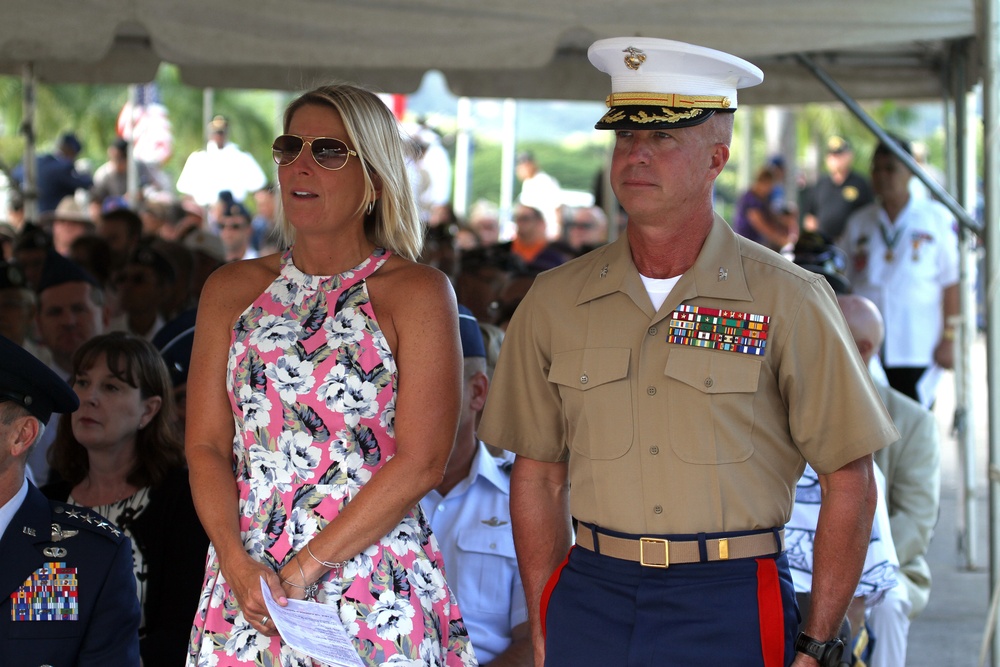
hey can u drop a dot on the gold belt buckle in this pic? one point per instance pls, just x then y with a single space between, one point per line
643 541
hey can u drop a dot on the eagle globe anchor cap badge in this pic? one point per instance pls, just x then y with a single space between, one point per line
661 83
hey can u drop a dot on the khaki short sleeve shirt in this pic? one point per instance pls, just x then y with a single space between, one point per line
668 438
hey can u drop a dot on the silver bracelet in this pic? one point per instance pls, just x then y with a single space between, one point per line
312 590
336 568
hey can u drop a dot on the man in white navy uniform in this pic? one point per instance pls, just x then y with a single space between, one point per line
903 255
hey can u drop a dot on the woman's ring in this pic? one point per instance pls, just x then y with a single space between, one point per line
264 620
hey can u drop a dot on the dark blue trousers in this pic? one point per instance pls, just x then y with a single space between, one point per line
606 612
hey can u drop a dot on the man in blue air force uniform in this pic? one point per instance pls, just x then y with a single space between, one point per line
68 592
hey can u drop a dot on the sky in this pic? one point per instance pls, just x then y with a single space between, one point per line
537 120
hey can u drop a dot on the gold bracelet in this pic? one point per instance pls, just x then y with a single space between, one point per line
948 334
336 568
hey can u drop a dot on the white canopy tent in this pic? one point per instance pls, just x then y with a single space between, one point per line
504 48
894 49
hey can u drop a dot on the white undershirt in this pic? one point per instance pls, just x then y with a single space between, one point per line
658 289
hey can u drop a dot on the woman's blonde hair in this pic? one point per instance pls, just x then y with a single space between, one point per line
394 223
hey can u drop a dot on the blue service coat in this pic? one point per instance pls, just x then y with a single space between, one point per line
100 557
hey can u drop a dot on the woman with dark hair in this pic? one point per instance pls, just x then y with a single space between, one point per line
120 455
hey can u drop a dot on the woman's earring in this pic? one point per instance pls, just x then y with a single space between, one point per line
371 206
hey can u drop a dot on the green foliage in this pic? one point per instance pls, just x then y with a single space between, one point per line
484 182
89 111
92 113
255 118
576 166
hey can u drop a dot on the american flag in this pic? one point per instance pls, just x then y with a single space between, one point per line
149 130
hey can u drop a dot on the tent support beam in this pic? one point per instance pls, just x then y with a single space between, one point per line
964 424
30 187
990 32
956 209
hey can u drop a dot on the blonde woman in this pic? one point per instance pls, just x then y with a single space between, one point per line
341 365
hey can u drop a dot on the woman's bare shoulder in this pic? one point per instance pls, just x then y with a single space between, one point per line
405 282
408 296
234 286
398 269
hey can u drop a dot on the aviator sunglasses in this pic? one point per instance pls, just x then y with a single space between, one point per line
329 153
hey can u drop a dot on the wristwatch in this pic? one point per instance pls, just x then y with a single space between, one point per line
827 654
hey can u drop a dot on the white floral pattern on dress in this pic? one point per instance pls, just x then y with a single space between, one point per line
291 376
312 384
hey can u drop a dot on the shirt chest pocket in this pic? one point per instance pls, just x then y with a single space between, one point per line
597 400
710 405
488 568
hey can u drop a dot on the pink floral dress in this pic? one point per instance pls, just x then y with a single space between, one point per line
312 384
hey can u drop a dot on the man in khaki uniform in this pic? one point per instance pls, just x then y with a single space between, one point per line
667 390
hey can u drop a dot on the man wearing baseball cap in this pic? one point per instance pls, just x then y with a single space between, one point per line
667 390
837 194
67 590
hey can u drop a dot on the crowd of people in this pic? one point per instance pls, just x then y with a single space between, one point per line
891 253
659 390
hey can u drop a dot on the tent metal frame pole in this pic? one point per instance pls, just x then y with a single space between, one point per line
966 330
132 189
463 157
30 188
990 14
945 198
507 168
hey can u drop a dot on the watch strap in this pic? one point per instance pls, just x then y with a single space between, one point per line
827 653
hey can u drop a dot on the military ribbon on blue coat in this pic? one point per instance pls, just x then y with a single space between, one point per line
49 594
715 329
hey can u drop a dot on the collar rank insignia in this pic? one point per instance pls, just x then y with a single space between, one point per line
495 522
723 274
49 594
604 271
634 58
726 330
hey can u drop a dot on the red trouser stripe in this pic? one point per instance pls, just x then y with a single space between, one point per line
550 586
771 611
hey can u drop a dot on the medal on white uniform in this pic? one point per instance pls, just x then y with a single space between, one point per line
890 236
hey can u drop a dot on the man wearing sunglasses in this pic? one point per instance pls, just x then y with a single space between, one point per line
232 220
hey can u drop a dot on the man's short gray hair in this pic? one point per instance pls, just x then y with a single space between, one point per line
10 411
